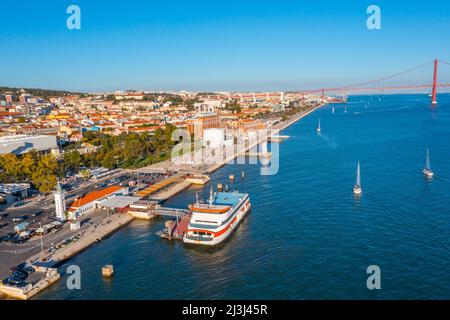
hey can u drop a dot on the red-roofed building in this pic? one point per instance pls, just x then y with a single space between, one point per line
89 202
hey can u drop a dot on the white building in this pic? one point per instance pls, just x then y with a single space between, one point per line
92 200
60 203
10 192
208 105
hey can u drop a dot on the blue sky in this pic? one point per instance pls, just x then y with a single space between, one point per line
215 45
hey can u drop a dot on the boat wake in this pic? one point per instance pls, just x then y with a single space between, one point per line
383 110
330 141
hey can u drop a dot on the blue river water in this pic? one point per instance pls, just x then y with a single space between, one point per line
307 236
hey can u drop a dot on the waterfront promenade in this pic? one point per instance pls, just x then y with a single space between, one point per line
92 235
210 164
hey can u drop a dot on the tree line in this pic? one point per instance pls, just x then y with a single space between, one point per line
131 150
39 170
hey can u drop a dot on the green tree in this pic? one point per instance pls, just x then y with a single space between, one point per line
86 174
108 160
72 160
28 164
10 163
233 106
44 176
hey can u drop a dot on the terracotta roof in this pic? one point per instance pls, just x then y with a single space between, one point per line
95 195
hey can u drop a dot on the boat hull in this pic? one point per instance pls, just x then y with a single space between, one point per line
141 215
199 181
428 173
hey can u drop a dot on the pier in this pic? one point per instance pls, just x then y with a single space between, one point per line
42 278
169 212
161 185
175 229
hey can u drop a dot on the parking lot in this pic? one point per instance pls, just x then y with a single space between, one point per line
42 212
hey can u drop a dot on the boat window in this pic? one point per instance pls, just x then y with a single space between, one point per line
205 221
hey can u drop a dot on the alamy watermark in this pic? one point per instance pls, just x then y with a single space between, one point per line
374 280
73 21
374 20
220 146
74 279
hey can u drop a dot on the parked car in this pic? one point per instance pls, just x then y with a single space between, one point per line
19 219
18 204
24 268
8 237
3 215
19 275
15 281
36 214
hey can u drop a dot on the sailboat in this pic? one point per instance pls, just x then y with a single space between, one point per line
318 126
345 110
357 187
427 169
332 111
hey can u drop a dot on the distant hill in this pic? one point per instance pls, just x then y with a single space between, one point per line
45 93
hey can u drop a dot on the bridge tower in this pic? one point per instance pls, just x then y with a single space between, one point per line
433 94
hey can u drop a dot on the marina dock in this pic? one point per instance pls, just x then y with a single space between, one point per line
175 229
170 212
42 278
160 185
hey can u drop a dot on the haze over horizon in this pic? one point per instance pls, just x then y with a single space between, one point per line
220 46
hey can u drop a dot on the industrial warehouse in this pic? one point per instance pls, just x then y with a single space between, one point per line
20 144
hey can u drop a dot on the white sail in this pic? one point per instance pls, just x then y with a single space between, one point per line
358 176
427 161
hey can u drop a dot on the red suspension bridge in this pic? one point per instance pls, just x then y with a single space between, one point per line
432 77
420 78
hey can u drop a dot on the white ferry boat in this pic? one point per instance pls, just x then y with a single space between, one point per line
213 222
